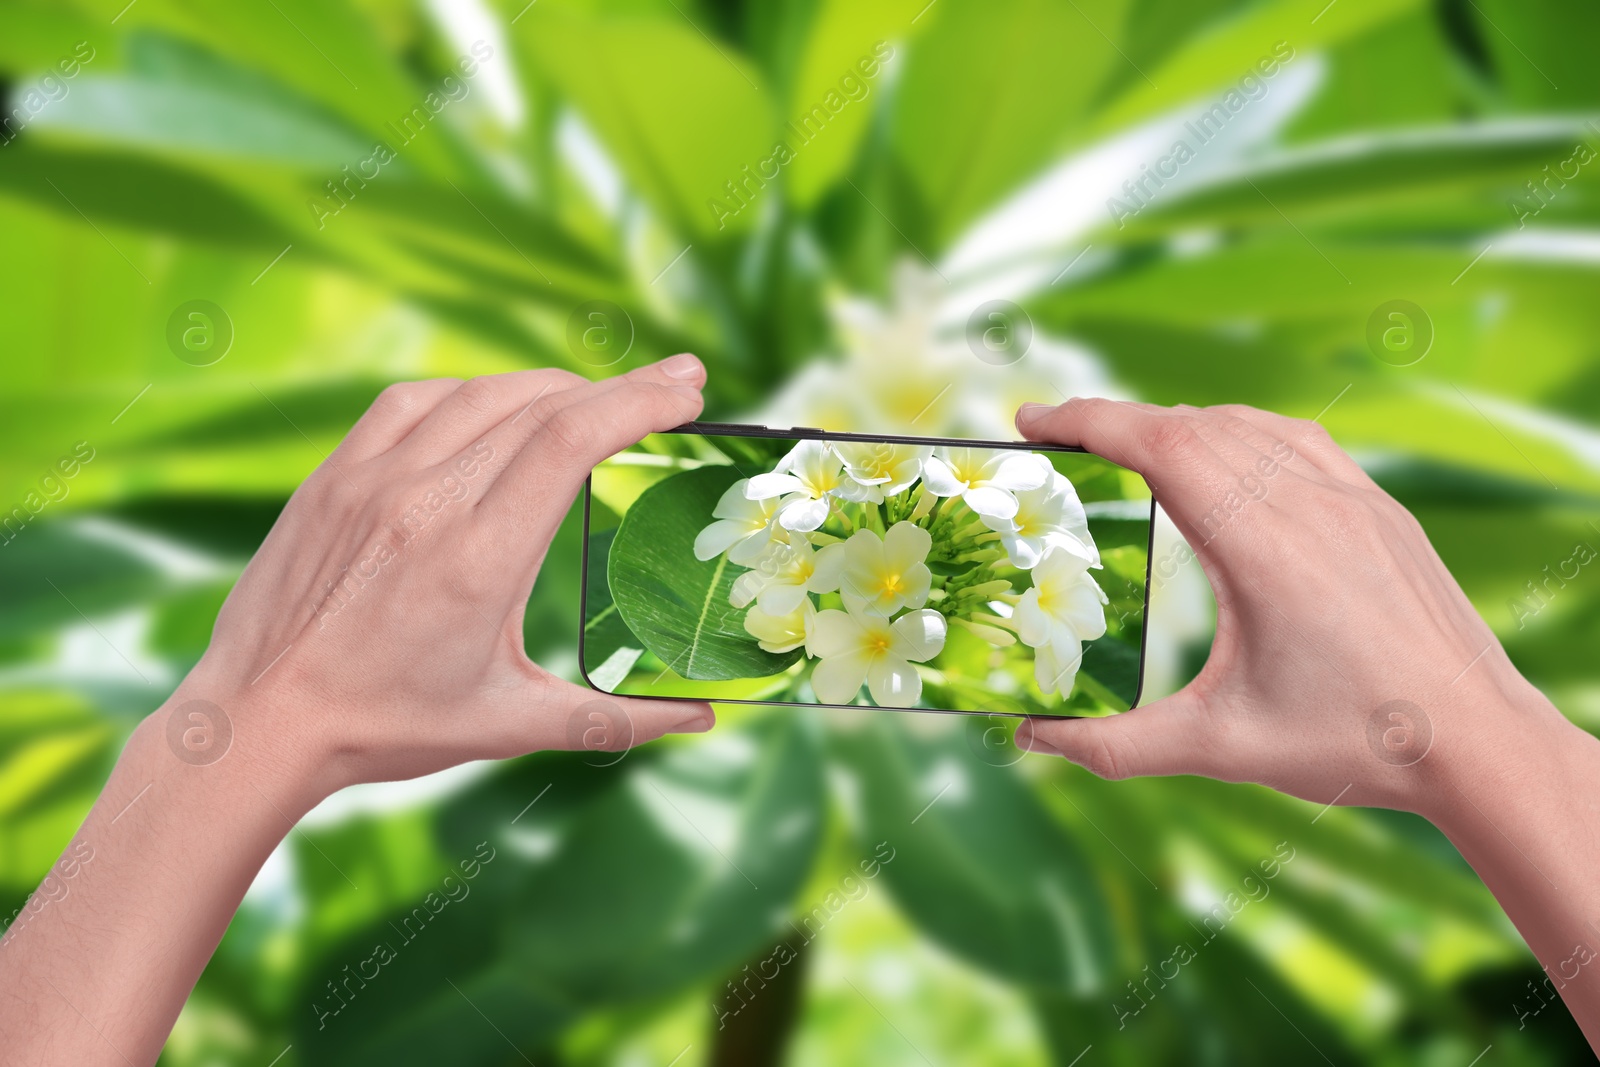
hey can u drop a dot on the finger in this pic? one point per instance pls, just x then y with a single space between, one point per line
532 494
541 713
1186 473
395 413
560 715
511 436
1308 438
1170 736
478 406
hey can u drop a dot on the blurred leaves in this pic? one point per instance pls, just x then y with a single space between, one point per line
978 863
206 152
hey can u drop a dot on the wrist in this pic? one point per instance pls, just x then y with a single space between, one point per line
253 739
1507 744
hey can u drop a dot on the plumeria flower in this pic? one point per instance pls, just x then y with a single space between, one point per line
1049 515
986 478
786 572
879 576
743 528
781 632
877 470
853 648
803 479
1064 608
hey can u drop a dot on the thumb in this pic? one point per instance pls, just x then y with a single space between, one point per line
578 718
1170 736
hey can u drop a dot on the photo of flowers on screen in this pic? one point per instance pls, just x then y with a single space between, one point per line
886 573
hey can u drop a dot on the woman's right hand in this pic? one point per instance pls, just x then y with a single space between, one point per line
1348 665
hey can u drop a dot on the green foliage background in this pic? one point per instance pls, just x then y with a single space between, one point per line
179 164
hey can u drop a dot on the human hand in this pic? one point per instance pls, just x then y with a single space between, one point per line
377 634
1348 665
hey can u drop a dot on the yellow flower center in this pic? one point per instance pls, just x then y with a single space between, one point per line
891 583
878 643
823 484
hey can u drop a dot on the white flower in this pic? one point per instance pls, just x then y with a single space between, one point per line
881 576
743 529
1046 516
785 573
781 632
853 648
803 478
875 470
896 362
1064 608
986 478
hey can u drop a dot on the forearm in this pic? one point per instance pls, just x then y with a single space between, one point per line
1527 819
97 967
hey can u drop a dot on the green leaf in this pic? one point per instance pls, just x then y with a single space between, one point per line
37 40
966 141
177 98
681 115
676 604
607 641
725 829
981 844
1343 179
147 195
844 36
1544 63
331 52
54 575
1216 59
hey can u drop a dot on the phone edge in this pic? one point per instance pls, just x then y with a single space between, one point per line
813 433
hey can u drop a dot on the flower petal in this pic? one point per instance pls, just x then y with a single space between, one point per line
766 486
1023 552
776 633
745 588
733 504
904 546
858 492
1033 628
827 566
780 599
940 479
1084 610
914 585
991 503
802 514
1022 470
894 682
837 679
1055 666
717 538
918 635
834 633
749 552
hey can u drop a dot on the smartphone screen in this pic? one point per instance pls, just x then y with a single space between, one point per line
736 563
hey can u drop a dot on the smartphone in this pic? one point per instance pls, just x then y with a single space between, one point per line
745 564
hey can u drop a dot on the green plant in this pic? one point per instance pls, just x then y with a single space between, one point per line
228 153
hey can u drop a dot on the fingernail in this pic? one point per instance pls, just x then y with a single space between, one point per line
681 366
699 724
1031 411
